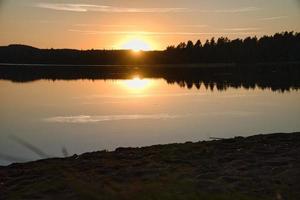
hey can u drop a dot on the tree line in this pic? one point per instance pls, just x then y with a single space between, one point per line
281 47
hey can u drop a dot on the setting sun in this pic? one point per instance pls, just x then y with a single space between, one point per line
136 45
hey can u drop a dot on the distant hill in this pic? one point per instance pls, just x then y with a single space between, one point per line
21 46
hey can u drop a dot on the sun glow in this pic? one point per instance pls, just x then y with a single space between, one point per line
136 45
136 84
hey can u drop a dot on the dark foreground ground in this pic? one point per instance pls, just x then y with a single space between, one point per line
257 167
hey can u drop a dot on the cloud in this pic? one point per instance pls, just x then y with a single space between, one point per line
273 18
237 10
232 113
194 25
103 118
242 29
92 32
104 8
112 9
135 26
105 25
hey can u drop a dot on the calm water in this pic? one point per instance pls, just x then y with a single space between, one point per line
86 115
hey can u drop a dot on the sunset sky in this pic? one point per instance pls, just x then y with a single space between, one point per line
115 24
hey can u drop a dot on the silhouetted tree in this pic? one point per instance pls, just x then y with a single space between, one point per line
170 48
189 45
198 44
206 45
181 45
212 42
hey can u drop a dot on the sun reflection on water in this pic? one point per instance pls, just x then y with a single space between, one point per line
137 84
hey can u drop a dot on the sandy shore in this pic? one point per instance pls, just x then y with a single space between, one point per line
256 167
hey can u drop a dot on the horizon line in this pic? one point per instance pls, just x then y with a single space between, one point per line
124 49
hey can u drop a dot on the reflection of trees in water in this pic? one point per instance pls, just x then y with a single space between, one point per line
276 78
272 76
220 86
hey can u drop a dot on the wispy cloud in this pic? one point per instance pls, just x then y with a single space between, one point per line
112 9
104 8
135 26
194 25
236 10
46 21
105 25
242 29
274 18
92 32
104 118
237 113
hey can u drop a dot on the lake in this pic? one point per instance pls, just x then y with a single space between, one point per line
64 117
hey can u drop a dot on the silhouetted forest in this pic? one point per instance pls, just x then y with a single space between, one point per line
281 47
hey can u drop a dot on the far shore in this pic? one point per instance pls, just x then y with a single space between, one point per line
255 167
183 65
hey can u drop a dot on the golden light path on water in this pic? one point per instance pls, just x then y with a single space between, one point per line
136 84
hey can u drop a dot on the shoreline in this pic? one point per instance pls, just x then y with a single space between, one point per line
178 65
255 167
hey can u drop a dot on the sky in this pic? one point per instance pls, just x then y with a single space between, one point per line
149 24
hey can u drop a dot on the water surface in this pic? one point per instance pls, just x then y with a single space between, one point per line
78 116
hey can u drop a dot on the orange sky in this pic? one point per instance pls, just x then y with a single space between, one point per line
144 24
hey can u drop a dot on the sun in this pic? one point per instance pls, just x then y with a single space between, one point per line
136 45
